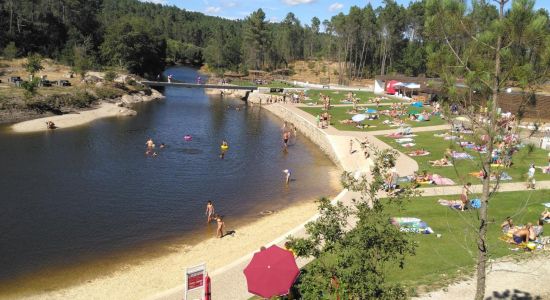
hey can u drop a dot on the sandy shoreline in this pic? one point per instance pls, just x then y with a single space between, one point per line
104 110
143 279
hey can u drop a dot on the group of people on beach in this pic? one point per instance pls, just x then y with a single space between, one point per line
212 216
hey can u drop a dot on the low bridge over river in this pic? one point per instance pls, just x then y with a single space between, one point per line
200 86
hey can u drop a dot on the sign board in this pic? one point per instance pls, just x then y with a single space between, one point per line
194 279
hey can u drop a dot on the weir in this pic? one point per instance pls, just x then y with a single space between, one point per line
200 86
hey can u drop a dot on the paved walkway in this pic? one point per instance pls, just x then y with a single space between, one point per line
229 282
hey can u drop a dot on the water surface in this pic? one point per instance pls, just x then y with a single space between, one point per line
76 196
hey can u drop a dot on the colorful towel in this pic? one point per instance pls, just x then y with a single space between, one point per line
404 140
461 155
439 180
421 154
413 225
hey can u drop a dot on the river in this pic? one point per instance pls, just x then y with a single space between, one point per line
89 196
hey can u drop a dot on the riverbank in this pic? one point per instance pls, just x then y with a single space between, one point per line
103 110
142 279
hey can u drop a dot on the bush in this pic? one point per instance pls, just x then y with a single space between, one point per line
108 92
110 76
311 65
82 99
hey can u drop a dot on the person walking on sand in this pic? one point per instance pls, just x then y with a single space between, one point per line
221 225
351 146
209 212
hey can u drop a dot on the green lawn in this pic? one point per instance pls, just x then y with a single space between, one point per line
274 84
442 258
337 96
437 147
340 113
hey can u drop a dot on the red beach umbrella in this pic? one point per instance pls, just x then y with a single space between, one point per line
271 272
207 293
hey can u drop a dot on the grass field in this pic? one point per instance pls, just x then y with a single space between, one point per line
337 96
462 168
274 84
438 259
340 113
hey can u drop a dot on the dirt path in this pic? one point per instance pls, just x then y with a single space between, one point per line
507 279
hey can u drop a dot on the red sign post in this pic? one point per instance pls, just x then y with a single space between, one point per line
195 279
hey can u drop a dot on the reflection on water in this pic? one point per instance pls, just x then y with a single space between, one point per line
76 195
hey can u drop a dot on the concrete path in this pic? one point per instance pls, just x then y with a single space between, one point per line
229 282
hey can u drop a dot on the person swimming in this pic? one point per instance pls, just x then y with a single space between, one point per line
224 147
150 144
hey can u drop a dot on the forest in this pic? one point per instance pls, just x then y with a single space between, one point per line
143 37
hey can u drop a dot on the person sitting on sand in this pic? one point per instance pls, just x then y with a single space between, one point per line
221 225
507 225
50 125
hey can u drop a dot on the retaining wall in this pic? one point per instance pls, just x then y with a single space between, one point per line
316 135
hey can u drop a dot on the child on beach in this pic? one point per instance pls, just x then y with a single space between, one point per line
209 212
219 232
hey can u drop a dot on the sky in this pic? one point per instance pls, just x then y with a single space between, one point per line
276 10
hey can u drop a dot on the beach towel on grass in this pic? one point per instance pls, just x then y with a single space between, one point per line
450 138
461 155
440 180
408 145
414 225
547 204
404 140
421 154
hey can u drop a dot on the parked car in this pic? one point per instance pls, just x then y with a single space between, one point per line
14 79
45 83
63 83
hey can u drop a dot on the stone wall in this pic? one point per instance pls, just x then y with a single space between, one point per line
316 135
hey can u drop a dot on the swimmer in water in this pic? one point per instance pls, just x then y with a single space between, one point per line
150 144
288 174
162 146
224 148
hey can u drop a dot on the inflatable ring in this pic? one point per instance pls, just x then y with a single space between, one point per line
187 138
224 147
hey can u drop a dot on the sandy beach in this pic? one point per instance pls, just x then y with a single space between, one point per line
143 279
104 110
